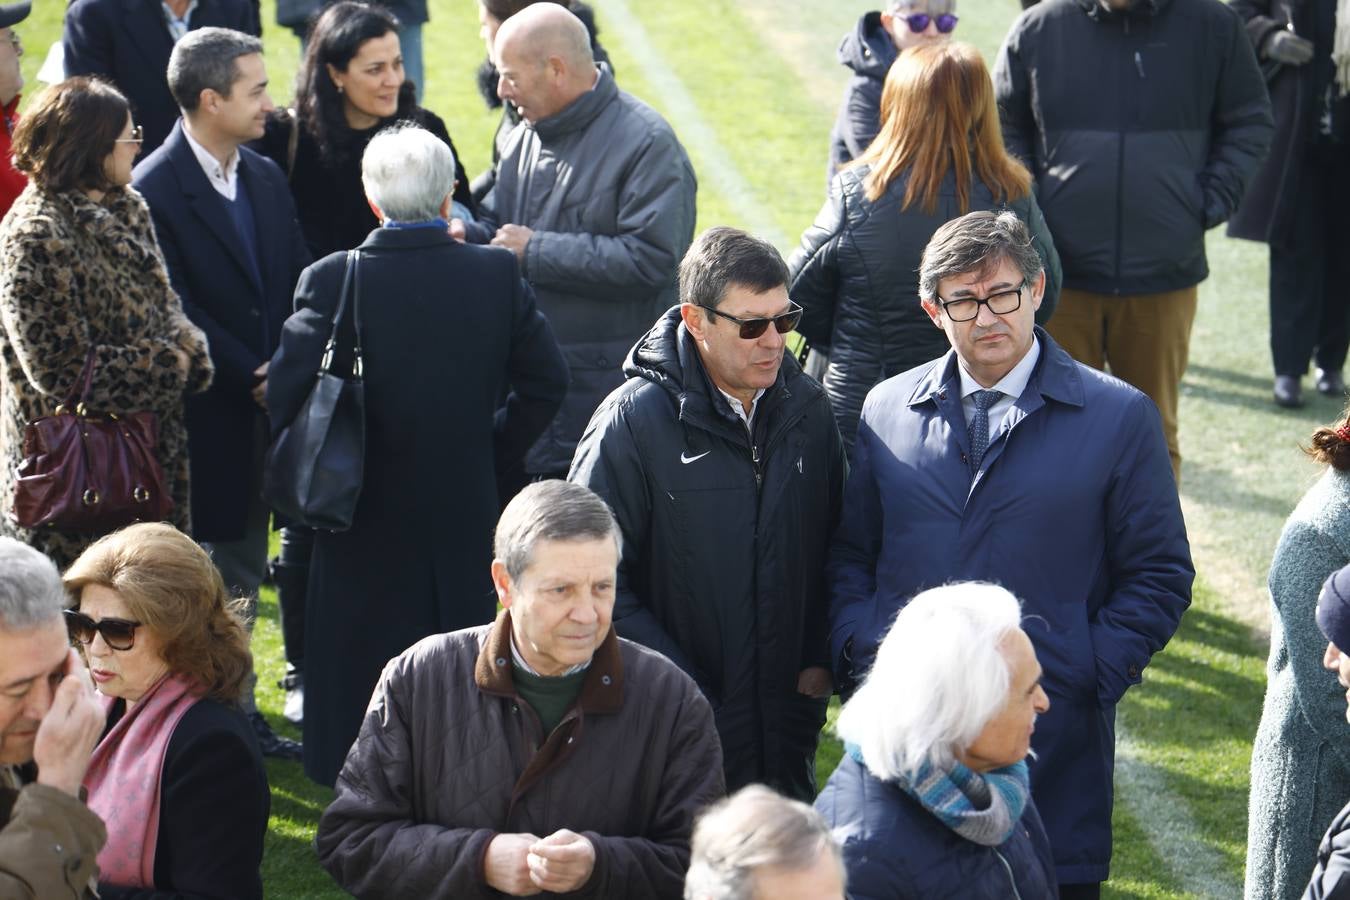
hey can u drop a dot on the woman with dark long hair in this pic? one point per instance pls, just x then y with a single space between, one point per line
939 155
350 85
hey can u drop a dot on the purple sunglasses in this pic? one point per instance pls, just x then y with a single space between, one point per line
919 22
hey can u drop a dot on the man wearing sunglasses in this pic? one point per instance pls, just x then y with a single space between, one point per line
868 50
49 723
1007 461
725 470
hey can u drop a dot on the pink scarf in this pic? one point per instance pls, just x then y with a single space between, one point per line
124 777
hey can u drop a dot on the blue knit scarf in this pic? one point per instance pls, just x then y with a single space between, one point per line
984 808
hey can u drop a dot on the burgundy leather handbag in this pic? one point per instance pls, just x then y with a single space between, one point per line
87 473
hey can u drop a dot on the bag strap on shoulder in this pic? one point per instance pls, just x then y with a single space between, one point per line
349 285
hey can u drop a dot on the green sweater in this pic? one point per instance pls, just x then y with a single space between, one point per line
550 698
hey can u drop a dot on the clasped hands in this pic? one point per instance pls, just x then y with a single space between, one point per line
522 865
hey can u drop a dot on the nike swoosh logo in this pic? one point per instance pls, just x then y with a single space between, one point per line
688 459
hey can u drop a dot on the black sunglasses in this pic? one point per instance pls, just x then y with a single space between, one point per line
919 21
753 328
119 634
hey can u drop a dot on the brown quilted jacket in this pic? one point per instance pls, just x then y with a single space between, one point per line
49 843
449 756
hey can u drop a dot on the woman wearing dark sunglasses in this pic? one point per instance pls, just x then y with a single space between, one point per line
177 776
939 155
869 50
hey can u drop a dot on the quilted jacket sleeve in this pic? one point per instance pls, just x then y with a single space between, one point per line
1242 126
369 838
49 846
814 267
1012 88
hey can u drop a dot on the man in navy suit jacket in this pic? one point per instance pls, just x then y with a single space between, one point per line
129 41
227 225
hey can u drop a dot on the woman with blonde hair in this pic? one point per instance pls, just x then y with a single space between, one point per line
1301 756
939 155
177 776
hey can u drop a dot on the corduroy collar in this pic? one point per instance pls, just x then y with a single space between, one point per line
601 692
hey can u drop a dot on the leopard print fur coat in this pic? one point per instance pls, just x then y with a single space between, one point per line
76 273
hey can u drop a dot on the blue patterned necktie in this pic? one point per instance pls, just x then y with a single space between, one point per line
979 426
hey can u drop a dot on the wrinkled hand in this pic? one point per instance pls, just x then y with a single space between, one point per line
457 230
260 389
505 867
513 238
815 682
562 862
1288 48
69 731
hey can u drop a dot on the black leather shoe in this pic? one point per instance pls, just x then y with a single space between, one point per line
1330 384
1288 392
271 743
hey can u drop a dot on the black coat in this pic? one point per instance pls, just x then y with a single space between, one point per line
213 808
1141 128
241 316
446 328
1296 93
329 197
868 51
127 42
1331 876
856 276
723 557
894 849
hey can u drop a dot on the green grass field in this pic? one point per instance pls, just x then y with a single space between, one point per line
751 85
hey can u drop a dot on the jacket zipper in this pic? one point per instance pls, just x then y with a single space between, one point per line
755 461
1012 882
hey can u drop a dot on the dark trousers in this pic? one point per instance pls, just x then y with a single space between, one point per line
291 575
1088 891
1310 271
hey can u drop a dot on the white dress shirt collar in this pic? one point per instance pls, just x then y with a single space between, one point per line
225 179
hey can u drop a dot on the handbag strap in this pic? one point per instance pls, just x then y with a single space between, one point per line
350 284
79 391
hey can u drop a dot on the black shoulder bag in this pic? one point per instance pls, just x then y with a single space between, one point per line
316 464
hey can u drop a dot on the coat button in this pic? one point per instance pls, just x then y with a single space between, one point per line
605 679
57 848
501 660
602 362
1133 671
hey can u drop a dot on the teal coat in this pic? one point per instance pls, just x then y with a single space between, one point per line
1301 758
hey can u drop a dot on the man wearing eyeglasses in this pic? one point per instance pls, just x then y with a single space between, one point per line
1007 461
49 723
868 50
723 465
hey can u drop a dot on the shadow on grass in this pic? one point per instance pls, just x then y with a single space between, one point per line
1218 488
1253 392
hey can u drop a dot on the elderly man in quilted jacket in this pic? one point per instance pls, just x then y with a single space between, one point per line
49 723
540 755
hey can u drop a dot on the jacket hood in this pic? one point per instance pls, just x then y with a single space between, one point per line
1138 9
868 49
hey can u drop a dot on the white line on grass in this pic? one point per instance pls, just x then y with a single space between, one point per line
1163 817
716 170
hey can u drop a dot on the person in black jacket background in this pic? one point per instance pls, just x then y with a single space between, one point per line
447 331
1297 200
1146 121
725 470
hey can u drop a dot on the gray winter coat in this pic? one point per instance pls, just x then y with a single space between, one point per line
1301 757
609 192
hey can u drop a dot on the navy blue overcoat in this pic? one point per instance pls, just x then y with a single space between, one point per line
1074 509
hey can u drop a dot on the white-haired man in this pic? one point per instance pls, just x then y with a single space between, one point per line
537 754
932 798
759 845
49 723
595 195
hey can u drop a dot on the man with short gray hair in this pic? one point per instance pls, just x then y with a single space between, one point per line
1007 461
49 723
225 220
541 753
758 845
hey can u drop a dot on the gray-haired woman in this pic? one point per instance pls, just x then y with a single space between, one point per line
932 798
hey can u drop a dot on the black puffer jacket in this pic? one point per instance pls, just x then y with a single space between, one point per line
724 542
856 274
869 51
1142 128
